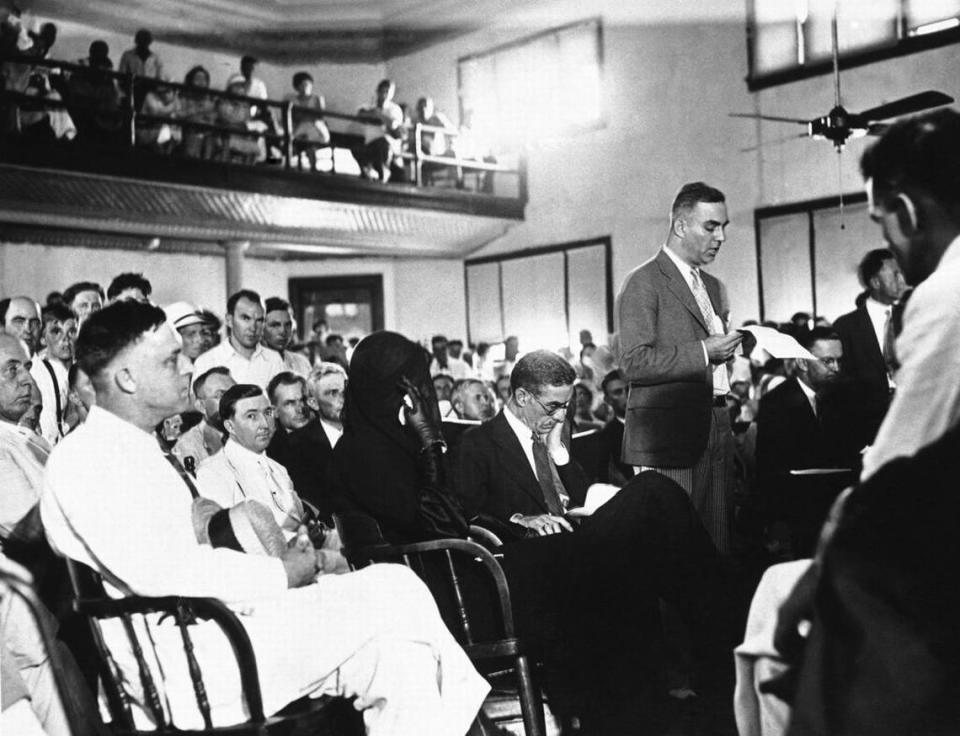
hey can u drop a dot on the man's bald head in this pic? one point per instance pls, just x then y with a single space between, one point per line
15 382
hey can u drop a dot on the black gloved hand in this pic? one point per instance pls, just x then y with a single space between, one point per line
419 418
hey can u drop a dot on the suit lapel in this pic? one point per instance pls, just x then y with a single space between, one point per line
679 288
516 466
869 336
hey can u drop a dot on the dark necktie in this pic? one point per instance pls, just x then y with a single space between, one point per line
541 459
184 475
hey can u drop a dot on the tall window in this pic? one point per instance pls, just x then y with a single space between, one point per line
538 87
790 39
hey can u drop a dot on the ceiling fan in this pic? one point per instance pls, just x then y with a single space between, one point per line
839 124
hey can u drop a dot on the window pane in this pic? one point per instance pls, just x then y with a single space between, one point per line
838 252
524 92
483 304
859 25
533 301
924 12
775 39
587 268
785 266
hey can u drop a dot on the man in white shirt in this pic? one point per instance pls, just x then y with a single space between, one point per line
50 370
242 469
381 146
446 364
22 453
304 441
22 320
206 438
374 634
920 226
242 353
278 334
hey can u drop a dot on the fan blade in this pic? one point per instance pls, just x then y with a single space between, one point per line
774 142
767 117
877 128
907 105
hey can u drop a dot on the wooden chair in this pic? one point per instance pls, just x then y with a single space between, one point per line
18 581
318 717
466 580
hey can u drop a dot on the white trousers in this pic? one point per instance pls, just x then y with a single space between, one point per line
375 634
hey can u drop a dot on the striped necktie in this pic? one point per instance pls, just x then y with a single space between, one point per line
703 299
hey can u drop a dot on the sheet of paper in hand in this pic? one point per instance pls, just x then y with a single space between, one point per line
597 495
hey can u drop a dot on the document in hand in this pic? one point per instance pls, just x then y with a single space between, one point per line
777 344
597 495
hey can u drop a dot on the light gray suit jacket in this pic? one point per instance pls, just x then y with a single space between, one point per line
662 357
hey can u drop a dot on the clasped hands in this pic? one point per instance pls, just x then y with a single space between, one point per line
303 562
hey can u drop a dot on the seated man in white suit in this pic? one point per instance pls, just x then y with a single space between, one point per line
242 469
111 500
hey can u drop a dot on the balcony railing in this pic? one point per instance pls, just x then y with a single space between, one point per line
420 166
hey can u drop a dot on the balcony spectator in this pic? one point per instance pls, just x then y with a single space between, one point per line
235 114
431 142
383 146
140 61
93 97
262 115
84 298
160 102
39 121
197 107
309 130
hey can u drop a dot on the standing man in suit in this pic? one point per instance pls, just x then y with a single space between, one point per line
864 332
675 346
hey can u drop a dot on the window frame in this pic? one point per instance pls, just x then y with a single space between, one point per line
903 45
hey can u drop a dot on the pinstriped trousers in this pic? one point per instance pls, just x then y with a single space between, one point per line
709 482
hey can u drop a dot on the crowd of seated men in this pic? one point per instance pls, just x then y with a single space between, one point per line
265 417
91 104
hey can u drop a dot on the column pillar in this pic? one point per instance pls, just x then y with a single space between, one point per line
234 250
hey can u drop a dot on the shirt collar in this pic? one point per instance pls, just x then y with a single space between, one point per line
523 432
241 456
686 270
875 307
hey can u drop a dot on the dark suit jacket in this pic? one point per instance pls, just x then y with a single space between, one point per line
610 466
492 475
661 328
863 361
790 437
305 453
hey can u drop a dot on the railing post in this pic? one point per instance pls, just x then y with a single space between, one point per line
417 163
131 110
287 111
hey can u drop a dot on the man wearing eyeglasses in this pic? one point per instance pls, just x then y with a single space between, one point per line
516 467
814 419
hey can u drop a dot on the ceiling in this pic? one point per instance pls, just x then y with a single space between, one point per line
289 31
